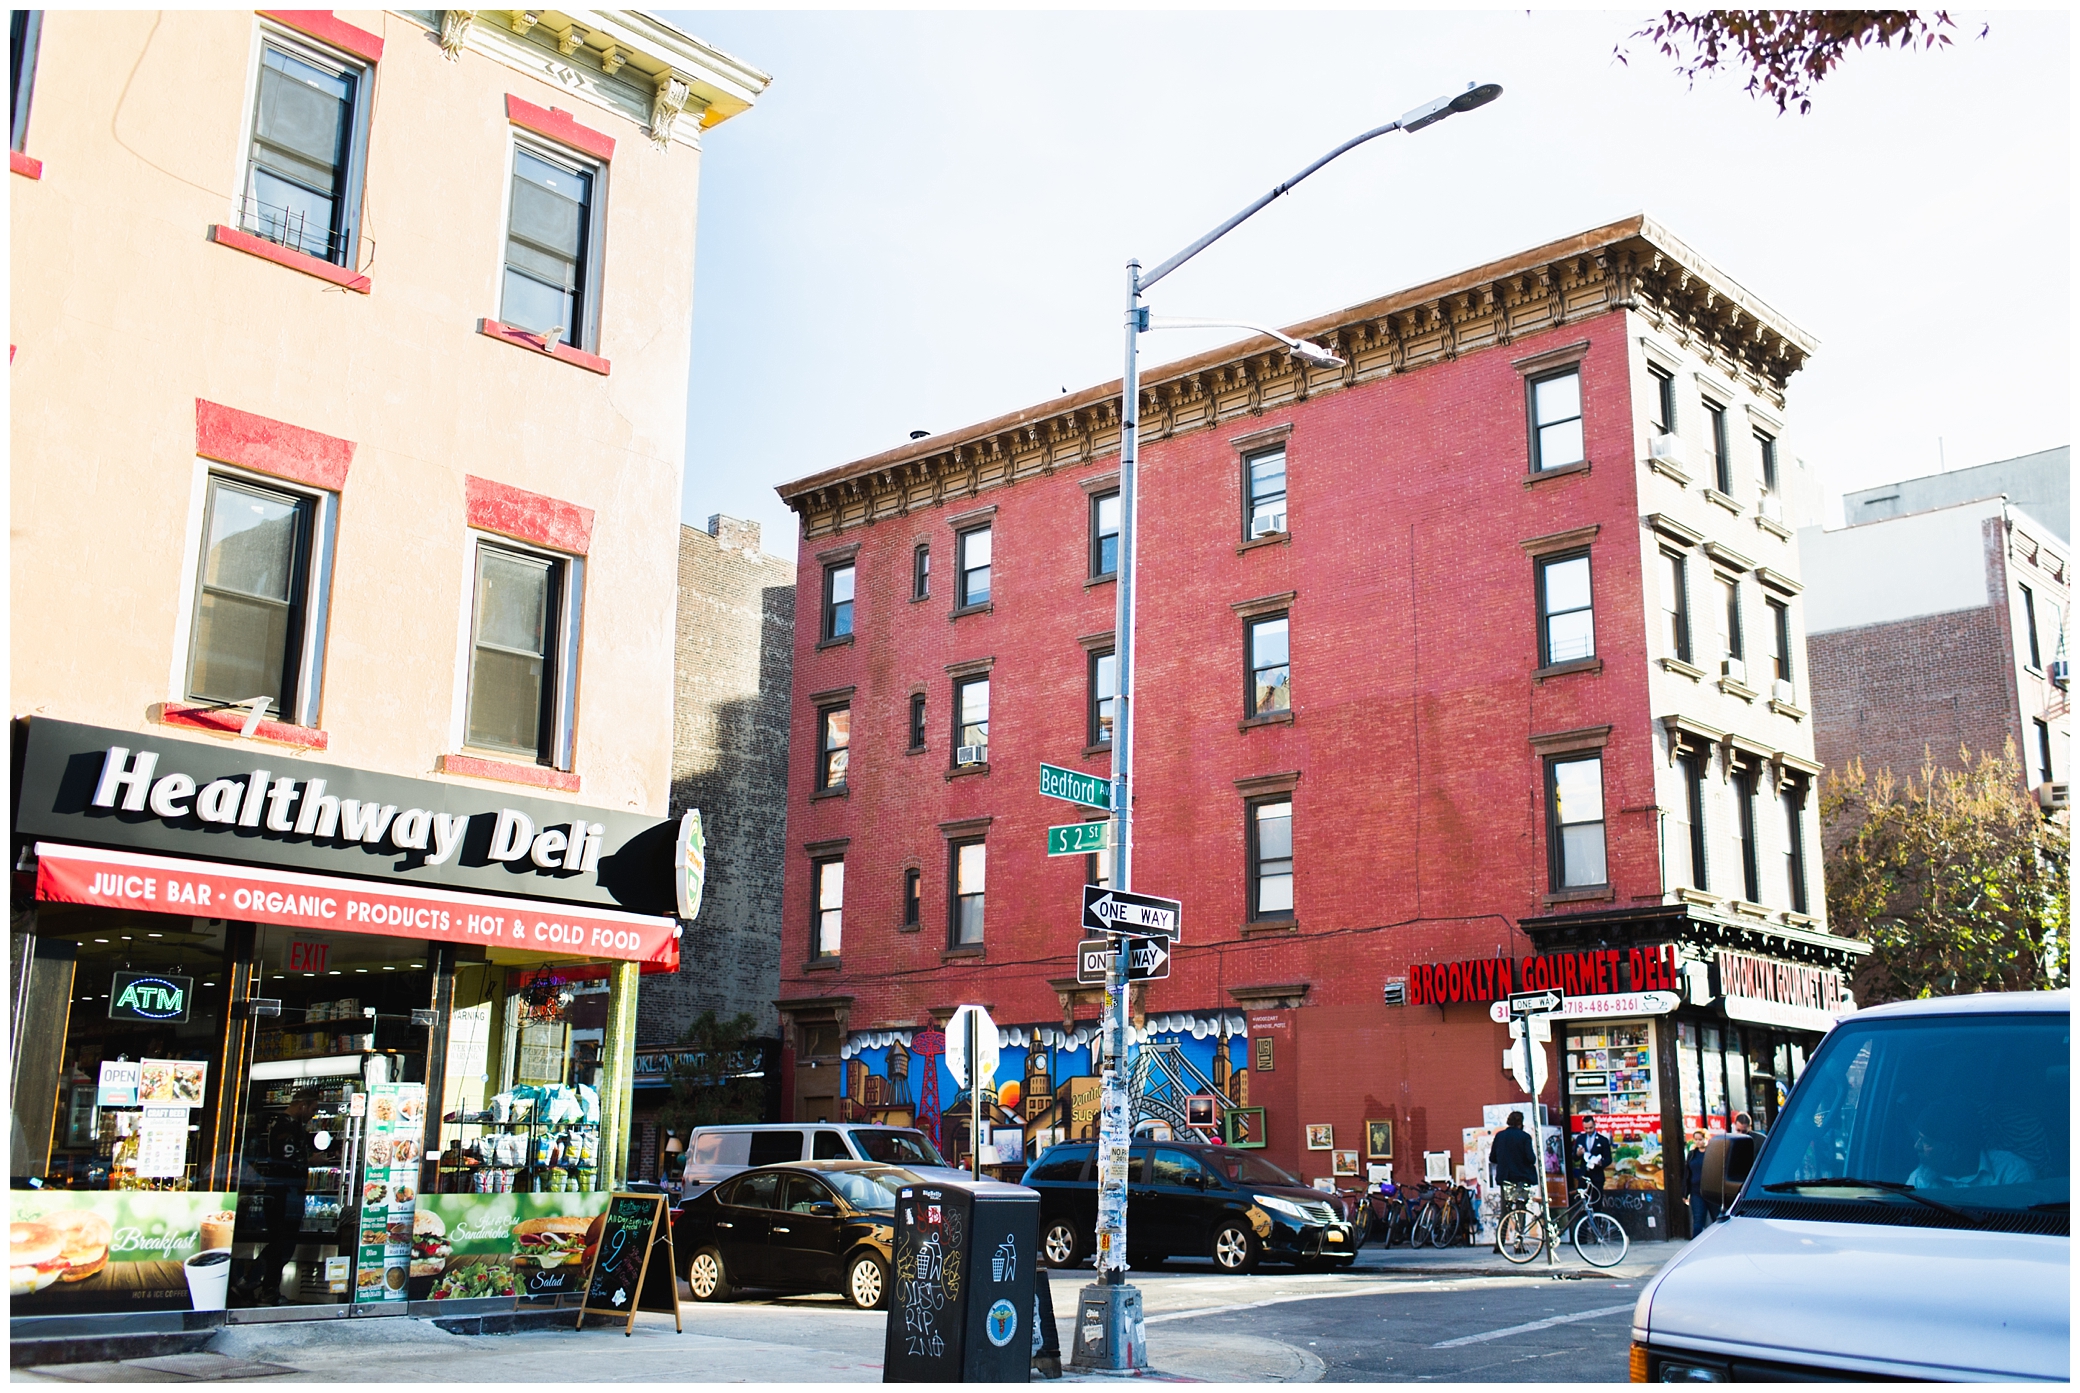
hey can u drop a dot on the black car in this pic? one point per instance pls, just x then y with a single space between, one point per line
1186 1199
807 1226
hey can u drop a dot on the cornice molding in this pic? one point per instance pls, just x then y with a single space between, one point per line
1632 265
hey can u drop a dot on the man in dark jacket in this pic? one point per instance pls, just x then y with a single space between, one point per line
1592 1152
1513 1164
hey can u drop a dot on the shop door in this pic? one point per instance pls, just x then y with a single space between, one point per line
802 1239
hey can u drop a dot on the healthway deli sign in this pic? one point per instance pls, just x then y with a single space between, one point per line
109 788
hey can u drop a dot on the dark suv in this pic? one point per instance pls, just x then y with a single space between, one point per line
1190 1200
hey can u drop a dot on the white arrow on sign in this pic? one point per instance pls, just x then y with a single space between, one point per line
1149 957
1535 1003
1135 916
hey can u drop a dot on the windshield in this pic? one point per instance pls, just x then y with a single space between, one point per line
1967 1111
899 1148
1248 1170
867 1189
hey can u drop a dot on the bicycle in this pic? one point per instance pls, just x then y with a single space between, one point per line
1525 1231
1439 1217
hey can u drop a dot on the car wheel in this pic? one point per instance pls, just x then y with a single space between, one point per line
866 1282
1060 1244
706 1275
1235 1247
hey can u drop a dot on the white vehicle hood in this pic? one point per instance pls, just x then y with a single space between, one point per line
1919 1302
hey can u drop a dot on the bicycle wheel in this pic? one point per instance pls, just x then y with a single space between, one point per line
1600 1240
1447 1225
1521 1235
1425 1230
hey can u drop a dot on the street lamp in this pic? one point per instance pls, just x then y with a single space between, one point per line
1121 1345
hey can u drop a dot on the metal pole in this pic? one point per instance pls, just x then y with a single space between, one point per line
975 1094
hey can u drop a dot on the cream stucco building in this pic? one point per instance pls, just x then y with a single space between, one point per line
349 361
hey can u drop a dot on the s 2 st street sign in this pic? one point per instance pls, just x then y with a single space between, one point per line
1077 838
1147 959
1121 911
1091 790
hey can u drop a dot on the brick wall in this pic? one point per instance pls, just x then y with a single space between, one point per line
733 660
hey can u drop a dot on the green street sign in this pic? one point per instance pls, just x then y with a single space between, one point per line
1077 838
1091 790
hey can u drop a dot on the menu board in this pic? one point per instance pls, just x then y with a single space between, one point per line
634 1227
162 1144
531 1246
389 1190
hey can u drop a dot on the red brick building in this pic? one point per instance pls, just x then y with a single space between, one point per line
1531 541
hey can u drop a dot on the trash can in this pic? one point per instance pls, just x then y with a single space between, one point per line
961 1310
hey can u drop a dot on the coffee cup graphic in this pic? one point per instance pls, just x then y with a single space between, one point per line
209 1278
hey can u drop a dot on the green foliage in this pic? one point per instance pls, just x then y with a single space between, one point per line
1957 880
1786 52
707 1089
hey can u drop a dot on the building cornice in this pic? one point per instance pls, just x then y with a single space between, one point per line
1634 264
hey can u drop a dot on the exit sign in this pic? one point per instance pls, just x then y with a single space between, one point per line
308 956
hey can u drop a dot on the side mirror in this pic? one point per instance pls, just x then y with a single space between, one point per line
824 1209
1728 1158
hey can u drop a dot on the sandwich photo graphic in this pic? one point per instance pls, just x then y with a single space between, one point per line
555 1240
87 1236
35 1257
430 1248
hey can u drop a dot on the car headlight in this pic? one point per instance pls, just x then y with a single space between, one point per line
1683 1371
1284 1208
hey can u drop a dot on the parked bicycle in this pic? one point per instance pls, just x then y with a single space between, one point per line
1440 1216
1528 1224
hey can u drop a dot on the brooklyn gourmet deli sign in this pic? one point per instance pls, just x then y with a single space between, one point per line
1594 972
217 802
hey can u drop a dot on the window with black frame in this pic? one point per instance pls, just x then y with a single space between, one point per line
1663 400
913 897
1690 845
917 730
837 600
1567 622
1103 687
1793 803
1269 653
828 929
1105 535
24 33
974 556
1271 858
300 162
921 572
969 873
1744 791
1574 822
1264 494
1556 420
251 595
833 746
971 721
1722 459
513 658
1675 605
549 248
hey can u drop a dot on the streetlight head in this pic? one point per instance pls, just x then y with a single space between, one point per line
1314 355
1476 96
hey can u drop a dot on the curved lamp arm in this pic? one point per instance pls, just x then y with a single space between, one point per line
1311 353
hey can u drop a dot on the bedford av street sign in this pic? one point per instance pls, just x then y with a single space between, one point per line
1091 790
1117 911
1147 959
1078 838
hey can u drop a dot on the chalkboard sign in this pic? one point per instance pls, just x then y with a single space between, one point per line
629 1272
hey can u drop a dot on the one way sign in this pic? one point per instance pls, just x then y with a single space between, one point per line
1119 911
1147 959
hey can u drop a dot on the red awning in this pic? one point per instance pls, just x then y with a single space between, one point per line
172 885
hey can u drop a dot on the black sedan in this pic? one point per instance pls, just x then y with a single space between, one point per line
1186 1199
805 1226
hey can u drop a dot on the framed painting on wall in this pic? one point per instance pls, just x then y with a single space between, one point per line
1243 1127
1321 1136
1346 1162
1379 1140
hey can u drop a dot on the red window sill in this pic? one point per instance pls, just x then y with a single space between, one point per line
23 165
288 256
563 352
537 775
232 720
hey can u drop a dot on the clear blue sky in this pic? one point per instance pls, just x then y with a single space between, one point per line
923 222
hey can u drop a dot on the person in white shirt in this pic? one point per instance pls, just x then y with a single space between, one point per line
1950 1161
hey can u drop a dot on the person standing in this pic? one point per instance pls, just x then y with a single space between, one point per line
1700 1212
1513 1166
1592 1154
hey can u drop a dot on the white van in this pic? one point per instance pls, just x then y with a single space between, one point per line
1906 1219
716 1153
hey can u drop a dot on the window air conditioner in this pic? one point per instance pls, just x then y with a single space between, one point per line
969 754
2061 673
2053 796
1734 670
1266 526
1772 507
1784 692
1667 447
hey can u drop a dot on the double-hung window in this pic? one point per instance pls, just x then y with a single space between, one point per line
971 721
837 600
1730 644
921 572
1556 420
2040 753
1574 822
24 32
974 549
1675 604
1567 622
303 161
1264 494
827 925
1688 840
1780 640
2029 628
913 897
969 874
1766 451
1270 665
1104 686
1271 859
1664 403
833 746
1794 805
1722 459
258 622
1744 786
552 236
916 721
523 646
1105 535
